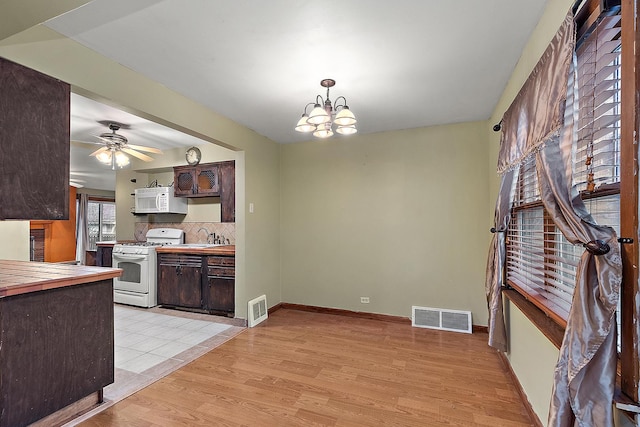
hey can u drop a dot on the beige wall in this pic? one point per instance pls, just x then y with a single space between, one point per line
257 158
393 216
15 240
533 359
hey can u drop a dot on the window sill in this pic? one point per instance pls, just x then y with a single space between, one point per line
540 319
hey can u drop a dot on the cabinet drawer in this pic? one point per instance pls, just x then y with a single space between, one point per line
221 271
222 261
180 259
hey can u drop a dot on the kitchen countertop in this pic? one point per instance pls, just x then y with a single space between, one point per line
20 277
113 242
226 250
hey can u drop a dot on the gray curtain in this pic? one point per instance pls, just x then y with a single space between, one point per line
584 378
496 260
82 229
533 117
539 123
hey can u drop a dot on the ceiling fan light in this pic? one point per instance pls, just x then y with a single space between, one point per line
104 157
303 125
345 117
346 130
318 115
122 159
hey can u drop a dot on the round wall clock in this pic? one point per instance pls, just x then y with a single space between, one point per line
193 156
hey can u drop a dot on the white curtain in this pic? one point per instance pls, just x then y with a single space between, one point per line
82 229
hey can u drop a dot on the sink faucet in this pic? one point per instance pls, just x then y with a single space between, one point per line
211 237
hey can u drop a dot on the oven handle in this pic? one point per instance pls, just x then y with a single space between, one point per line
129 257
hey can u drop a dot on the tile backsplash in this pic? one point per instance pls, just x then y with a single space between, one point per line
193 232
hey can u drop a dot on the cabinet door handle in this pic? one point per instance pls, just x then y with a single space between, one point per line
179 270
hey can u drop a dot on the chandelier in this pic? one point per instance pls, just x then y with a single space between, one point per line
322 117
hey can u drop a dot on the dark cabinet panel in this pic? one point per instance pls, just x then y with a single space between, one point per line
220 295
197 181
228 191
34 144
209 180
104 255
198 282
57 348
180 280
184 181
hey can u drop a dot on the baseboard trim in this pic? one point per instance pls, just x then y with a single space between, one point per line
347 313
480 329
358 314
275 308
535 421
71 411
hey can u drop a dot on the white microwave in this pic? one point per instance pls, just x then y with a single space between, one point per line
159 200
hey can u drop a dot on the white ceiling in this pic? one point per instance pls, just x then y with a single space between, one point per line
90 118
400 64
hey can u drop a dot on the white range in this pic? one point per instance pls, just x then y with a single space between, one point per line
138 284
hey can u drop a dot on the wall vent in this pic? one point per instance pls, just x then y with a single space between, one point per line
257 310
438 318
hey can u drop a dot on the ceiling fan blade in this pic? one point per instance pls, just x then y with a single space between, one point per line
136 154
99 150
84 144
143 148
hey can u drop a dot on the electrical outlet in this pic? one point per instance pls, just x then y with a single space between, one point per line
364 300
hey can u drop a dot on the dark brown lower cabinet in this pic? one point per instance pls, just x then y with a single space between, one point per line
180 280
198 282
220 295
104 254
57 348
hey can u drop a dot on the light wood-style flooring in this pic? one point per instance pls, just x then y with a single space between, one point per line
310 369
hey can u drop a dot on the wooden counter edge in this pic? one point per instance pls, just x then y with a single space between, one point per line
229 250
30 284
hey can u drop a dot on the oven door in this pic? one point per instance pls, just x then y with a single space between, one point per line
135 272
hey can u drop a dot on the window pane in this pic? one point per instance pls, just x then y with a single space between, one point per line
108 224
93 224
101 222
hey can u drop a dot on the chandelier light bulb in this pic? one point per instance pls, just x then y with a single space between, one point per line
318 115
303 125
345 117
346 130
323 131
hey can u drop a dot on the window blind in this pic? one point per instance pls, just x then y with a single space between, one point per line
540 261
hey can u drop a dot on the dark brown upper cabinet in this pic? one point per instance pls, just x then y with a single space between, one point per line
197 181
209 180
34 144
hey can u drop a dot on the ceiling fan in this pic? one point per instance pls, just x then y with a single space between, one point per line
115 147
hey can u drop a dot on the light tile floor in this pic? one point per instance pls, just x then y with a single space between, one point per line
152 343
145 339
